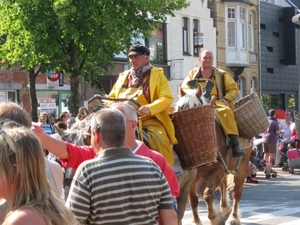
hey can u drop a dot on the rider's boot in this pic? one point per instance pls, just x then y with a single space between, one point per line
234 141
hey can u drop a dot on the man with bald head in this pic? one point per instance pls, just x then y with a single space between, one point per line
222 89
118 186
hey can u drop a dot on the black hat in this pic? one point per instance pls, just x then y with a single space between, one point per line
138 50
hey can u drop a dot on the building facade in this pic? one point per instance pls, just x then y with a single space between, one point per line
279 44
252 40
237 41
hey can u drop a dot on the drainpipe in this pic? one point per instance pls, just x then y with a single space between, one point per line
296 20
259 50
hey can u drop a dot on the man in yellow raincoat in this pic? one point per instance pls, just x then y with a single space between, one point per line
148 86
223 91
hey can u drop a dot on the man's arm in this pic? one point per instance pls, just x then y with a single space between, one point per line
231 88
54 145
168 216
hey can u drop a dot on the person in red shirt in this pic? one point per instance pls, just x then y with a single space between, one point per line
293 131
294 134
72 155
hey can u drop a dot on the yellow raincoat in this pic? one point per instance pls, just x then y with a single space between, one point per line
160 129
224 87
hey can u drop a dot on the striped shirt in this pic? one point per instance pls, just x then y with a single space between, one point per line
119 187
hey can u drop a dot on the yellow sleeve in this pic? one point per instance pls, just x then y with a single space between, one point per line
162 96
231 88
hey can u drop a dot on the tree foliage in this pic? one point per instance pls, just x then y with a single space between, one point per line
78 37
75 36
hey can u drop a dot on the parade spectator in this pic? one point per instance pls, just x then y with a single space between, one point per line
294 135
134 186
150 88
251 169
64 116
251 173
45 120
283 136
222 89
285 125
24 183
72 155
14 112
270 137
293 131
51 120
61 125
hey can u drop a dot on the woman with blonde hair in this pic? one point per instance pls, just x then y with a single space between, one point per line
14 112
23 180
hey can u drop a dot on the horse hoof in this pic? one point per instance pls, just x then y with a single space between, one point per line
232 221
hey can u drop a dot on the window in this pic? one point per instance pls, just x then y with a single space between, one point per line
231 39
6 96
251 25
240 86
243 26
269 49
185 35
195 30
276 34
155 44
262 26
253 83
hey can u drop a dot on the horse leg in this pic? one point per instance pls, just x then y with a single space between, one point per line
234 218
185 183
194 202
224 200
213 183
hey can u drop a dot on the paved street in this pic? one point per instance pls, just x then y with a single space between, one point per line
271 202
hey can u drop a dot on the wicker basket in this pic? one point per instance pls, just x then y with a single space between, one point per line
250 116
195 132
297 123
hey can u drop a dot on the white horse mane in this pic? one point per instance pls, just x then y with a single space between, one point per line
189 100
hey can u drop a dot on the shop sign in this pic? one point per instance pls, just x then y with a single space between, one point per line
47 104
55 78
198 40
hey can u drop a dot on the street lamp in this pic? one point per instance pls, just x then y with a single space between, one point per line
296 19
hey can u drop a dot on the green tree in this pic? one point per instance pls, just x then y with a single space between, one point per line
78 37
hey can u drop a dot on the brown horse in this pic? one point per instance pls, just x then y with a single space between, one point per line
215 176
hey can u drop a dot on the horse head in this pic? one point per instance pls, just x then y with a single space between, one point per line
190 98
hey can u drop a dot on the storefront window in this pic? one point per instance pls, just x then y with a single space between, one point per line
53 102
